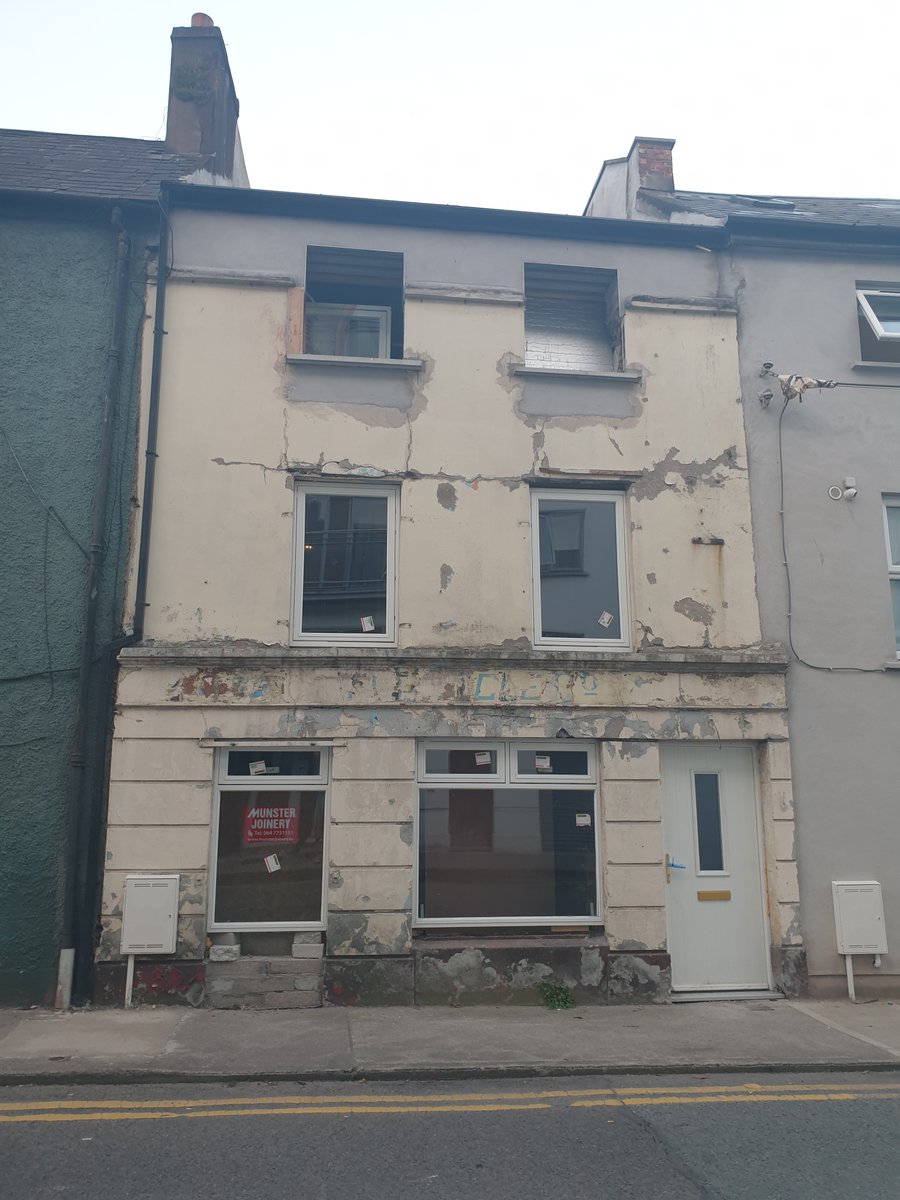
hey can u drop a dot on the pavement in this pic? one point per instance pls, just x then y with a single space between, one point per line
177 1044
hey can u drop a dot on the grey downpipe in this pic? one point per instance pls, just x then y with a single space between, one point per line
81 747
95 826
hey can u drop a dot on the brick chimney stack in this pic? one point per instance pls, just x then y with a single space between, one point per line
652 160
203 107
616 193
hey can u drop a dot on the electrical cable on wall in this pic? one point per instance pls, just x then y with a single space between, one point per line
794 386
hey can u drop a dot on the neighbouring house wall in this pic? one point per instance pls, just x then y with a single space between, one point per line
56 309
799 312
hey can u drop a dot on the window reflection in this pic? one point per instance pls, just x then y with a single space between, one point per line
579 569
344 564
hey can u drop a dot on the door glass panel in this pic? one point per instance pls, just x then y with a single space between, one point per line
446 761
269 856
552 762
506 852
274 762
344 564
579 570
710 853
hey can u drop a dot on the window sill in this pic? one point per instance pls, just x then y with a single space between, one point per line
341 360
562 373
866 365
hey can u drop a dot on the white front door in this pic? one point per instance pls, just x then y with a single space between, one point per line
714 897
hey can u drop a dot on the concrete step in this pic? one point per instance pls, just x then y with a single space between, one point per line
266 983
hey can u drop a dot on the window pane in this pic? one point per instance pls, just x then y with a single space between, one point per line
552 762
887 310
709 823
440 761
895 601
506 852
269 856
893 523
344 564
274 762
579 570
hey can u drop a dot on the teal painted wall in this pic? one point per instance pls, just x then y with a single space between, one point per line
56 308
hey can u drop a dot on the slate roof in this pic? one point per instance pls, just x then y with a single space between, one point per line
822 209
79 165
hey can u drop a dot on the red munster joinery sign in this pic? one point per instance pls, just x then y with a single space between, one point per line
271 823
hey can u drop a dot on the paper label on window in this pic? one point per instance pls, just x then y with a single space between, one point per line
605 619
367 624
482 758
271 824
258 767
542 762
273 770
272 863
583 820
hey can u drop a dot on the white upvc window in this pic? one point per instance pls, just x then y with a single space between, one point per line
344 578
892 539
579 570
347 330
506 834
881 308
269 838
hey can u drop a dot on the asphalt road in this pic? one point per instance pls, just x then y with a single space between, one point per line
678 1137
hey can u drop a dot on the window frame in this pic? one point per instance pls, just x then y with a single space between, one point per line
869 313
223 777
580 783
566 744
592 495
302 488
384 332
889 502
272 783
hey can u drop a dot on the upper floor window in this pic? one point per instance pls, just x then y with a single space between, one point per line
879 324
571 314
892 536
353 303
579 569
344 563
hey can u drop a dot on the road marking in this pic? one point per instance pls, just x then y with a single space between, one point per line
456 1098
750 1098
166 1114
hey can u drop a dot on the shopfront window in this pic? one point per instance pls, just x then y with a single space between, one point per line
516 847
268 853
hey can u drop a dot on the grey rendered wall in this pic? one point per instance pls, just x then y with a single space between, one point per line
800 313
55 315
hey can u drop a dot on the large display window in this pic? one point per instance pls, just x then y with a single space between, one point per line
507 834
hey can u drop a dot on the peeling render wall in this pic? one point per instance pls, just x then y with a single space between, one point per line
464 434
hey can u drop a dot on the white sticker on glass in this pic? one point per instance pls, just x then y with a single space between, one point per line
605 619
542 762
367 624
482 758
258 767
582 820
272 863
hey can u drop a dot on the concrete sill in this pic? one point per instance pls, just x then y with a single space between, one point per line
559 373
340 360
876 366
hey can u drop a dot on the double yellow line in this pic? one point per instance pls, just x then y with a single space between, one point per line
55 1111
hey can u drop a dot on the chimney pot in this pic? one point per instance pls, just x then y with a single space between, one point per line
202 21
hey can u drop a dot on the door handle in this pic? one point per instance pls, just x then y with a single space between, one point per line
671 866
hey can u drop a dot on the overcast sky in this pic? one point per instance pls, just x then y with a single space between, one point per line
504 103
